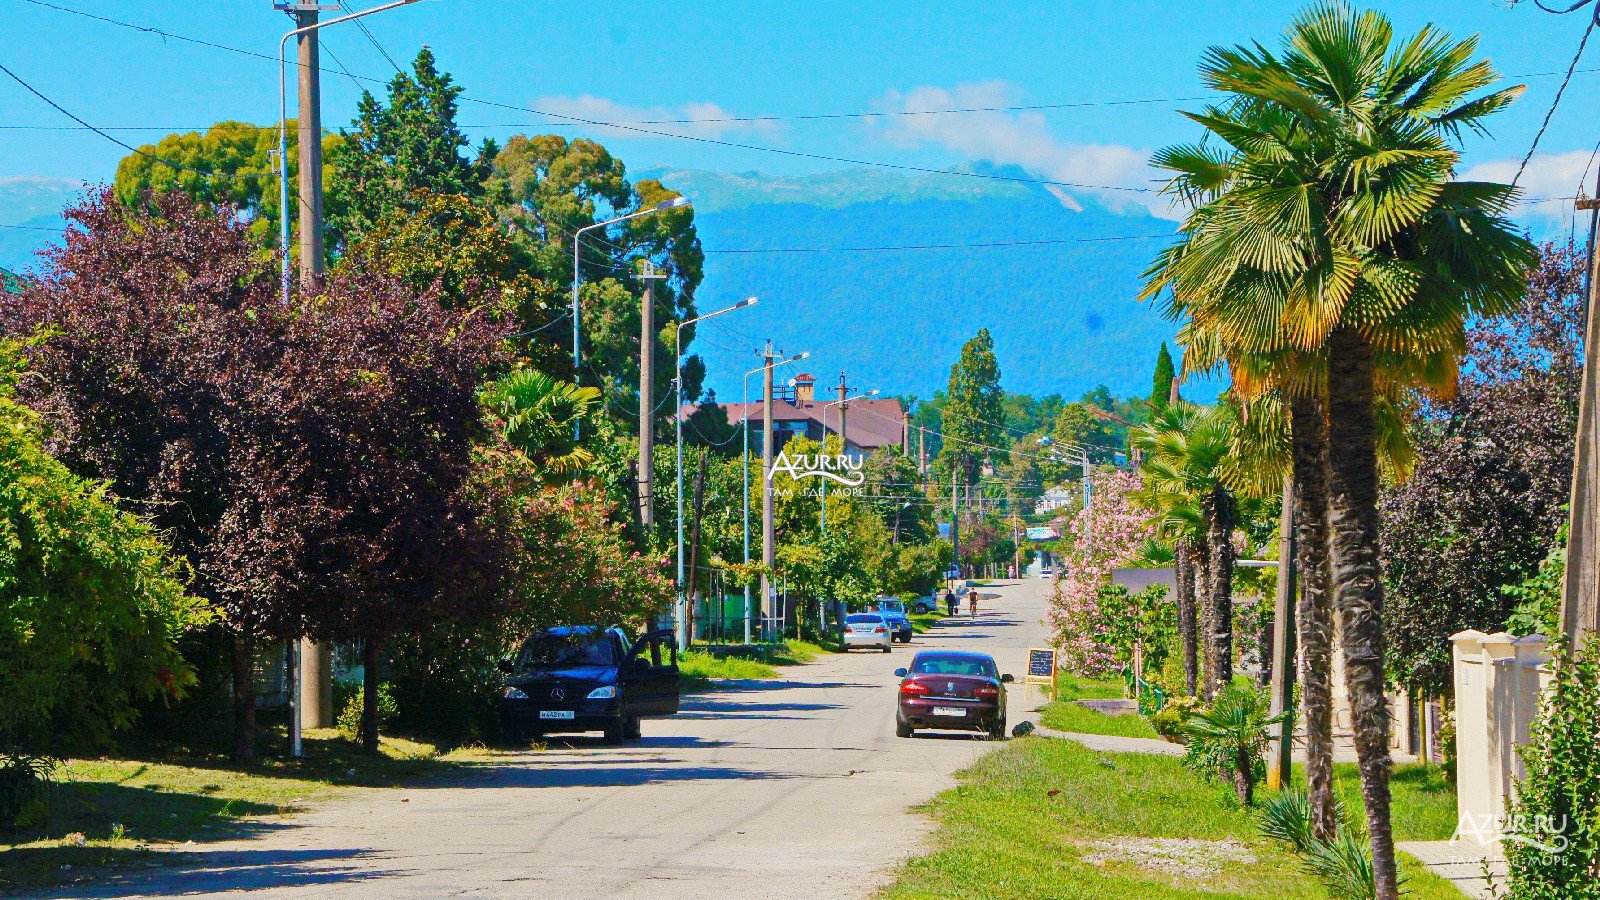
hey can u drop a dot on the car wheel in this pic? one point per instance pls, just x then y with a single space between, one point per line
616 731
888 649
634 728
998 731
903 728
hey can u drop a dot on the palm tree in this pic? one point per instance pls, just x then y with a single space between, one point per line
1184 447
1238 721
1328 223
535 413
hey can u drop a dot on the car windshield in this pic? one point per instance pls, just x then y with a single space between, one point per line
567 648
863 619
892 606
953 665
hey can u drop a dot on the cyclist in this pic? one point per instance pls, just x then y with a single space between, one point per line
972 602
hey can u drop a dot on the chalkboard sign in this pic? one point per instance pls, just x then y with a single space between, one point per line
1041 665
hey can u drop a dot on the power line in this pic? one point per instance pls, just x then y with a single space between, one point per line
1550 113
953 246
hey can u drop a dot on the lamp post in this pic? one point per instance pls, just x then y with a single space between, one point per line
311 159
577 280
283 141
844 449
745 423
677 386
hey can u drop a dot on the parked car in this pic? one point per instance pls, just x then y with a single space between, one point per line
868 630
1047 572
583 678
893 610
952 689
924 605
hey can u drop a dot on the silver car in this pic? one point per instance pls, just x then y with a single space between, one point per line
868 630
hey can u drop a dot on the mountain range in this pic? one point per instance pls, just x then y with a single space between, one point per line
1056 286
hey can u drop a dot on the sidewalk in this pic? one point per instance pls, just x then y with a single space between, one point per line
1460 863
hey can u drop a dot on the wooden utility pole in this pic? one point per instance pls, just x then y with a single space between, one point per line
922 450
769 555
694 552
316 660
844 411
647 398
1580 605
1280 764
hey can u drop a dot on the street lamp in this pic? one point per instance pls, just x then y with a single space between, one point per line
577 278
844 449
748 609
283 153
677 385
284 277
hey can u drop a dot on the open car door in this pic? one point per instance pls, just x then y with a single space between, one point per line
652 675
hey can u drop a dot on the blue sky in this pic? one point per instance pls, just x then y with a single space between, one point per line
622 61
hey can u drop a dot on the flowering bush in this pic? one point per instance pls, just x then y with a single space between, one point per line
1105 535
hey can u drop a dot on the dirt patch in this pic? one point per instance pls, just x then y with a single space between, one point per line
1181 857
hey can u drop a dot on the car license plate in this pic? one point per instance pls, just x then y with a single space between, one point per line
949 711
556 714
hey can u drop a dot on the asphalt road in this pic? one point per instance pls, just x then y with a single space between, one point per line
790 789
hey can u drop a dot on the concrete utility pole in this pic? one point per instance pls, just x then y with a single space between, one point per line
922 450
768 542
1279 764
844 411
957 465
647 397
1580 604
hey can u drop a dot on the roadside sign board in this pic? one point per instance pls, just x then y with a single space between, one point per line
1041 666
1042 533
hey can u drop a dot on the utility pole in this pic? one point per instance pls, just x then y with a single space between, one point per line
647 397
922 450
957 464
769 553
316 660
844 410
1279 765
1580 603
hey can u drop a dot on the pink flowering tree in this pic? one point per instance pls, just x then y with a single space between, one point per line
1108 534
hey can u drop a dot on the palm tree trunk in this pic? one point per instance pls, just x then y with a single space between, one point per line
1357 581
1309 435
1219 586
1202 578
1183 565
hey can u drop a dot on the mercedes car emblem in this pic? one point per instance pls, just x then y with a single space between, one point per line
558 694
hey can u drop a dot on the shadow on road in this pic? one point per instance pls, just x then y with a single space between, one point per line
227 870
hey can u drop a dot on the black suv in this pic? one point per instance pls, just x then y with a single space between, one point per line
584 678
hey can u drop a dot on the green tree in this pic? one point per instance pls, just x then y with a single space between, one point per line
974 411
399 151
91 602
1161 386
1328 222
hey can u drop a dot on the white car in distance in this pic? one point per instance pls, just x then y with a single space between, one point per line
868 630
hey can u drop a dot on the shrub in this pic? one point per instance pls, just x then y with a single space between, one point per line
1343 864
1553 834
350 716
1170 720
24 788
1228 739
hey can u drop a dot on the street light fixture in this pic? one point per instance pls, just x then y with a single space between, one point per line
283 149
577 279
677 386
748 609
285 279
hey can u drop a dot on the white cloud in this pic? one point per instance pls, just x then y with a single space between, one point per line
695 119
1020 138
1551 179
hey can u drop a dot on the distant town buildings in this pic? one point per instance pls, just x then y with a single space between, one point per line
870 423
1058 497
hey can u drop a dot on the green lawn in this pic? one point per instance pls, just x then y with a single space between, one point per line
1048 818
701 668
111 812
1070 715
1083 687
921 622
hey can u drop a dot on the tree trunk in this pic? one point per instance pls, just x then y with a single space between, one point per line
1357 581
1243 784
244 697
369 695
1202 580
1309 435
1219 587
1183 573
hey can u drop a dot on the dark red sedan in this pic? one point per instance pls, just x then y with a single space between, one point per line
951 689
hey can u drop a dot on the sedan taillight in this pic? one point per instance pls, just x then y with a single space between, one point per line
879 630
987 693
914 688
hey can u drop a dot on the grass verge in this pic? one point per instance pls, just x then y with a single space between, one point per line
1083 687
108 813
1049 818
700 669
1070 715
